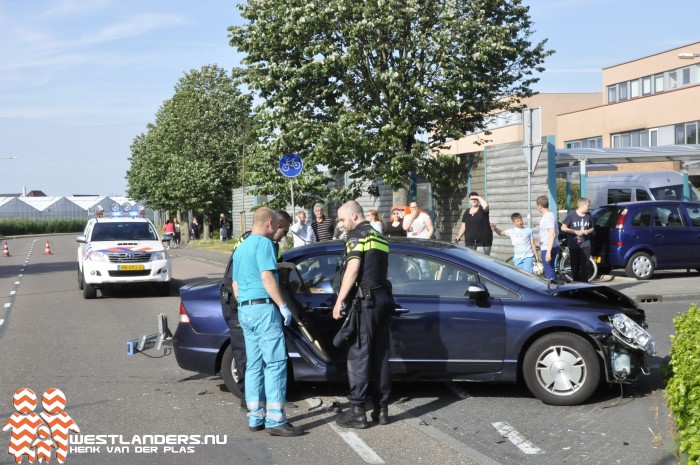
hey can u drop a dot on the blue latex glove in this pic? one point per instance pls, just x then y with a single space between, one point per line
286 314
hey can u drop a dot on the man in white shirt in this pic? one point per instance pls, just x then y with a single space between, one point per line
302 232
549 238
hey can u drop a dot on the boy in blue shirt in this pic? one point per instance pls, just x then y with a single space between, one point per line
524 249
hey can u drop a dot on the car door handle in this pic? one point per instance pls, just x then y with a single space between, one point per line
400 311
322 309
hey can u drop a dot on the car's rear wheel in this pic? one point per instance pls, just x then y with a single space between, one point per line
89 291
229 372
561 369
640 266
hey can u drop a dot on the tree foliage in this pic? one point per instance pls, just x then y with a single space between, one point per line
369 88
190 157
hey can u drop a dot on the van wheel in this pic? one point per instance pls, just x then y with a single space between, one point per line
640 266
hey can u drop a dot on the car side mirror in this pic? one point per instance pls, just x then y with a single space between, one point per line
477 291
80 238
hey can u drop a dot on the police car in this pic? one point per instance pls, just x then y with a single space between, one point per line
121 247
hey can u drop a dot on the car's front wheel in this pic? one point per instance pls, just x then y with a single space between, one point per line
229 372
640 266
89 291
561 369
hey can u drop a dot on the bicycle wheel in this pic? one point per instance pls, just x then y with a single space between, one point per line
564 270
592 269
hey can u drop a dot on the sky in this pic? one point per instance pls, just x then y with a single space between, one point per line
79 79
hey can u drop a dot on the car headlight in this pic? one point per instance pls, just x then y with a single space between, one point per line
630 333
97 257
159 256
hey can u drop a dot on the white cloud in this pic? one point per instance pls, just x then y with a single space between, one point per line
135 26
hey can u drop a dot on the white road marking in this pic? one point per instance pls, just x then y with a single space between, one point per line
358 445
16 282
8 305
13 292
354 441
513 436
1 322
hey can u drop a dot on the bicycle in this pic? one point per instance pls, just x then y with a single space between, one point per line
562 266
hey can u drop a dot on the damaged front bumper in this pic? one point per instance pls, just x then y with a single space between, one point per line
624 349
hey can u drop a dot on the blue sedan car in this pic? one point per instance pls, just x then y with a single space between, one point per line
460 316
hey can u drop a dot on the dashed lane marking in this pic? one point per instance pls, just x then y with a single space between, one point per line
2 322
8 305
516 438
13 292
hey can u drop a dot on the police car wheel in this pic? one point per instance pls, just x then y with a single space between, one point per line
89 291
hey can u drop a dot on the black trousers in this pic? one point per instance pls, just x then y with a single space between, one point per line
230 311
579 263
368 353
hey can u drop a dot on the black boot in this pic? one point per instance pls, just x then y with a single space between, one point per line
381 415
354 417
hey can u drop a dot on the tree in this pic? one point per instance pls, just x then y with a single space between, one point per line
371 88
190 157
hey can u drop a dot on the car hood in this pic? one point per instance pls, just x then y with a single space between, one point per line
601 297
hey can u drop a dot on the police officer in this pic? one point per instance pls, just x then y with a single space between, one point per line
229 306
365 278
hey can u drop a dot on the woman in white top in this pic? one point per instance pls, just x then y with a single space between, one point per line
375 220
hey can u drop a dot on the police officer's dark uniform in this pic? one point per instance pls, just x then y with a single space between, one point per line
368 349
229 309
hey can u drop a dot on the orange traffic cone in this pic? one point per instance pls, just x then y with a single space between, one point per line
5 251
47 249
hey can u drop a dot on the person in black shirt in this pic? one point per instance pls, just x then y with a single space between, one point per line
394 227
364 282
476 226
323 227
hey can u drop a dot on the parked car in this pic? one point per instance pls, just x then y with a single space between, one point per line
460 316
642 237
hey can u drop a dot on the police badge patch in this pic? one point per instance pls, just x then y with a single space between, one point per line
352 242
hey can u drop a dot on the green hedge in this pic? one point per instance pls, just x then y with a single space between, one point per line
683 389
25 226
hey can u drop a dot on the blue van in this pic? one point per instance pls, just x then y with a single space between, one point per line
645 236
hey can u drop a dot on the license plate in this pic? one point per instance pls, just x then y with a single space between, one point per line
130 267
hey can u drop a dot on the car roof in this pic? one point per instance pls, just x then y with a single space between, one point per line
119 219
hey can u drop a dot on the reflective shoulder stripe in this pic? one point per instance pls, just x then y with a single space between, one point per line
375 242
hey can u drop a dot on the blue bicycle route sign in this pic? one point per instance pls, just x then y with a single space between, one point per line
291 165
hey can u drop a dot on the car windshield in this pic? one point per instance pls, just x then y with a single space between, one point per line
126 231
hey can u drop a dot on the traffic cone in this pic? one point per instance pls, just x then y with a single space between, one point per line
5 251
47 249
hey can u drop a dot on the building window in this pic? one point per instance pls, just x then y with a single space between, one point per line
653 137
639 138
672 80
680 134
590 143
659 83
646 85
622 91
612 94
691 133
685 76
634 88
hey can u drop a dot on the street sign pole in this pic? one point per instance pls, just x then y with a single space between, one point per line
291 166
532 147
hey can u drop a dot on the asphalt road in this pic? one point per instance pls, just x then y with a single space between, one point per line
51 337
